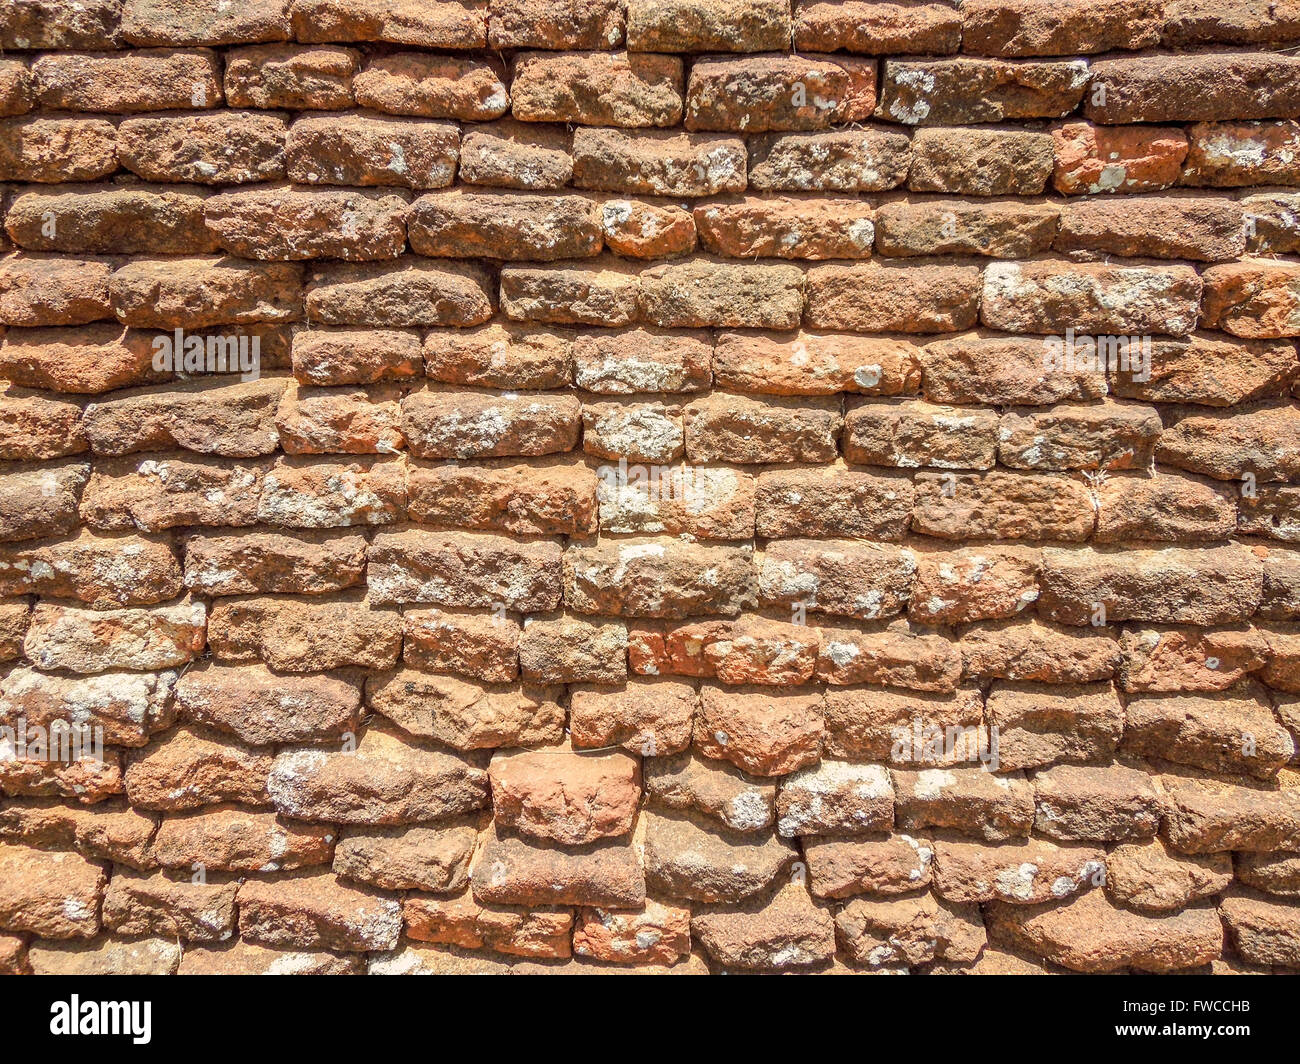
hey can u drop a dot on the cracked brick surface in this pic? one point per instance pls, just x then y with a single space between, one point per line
710 486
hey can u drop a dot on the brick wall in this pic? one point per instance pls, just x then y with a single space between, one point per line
566 484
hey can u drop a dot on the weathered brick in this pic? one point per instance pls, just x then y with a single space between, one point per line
157 493
891 297
640 230
1103 436
407 858
535 227
260 707
1230 732
433 86
50 150
37 501
842 577
1009 230
128 82
779 92
926 28
500 355
407 292
707 26
645 716
1206 87
833 501
569 24
513 871
268 76
869 159
597 88
284 223
304 634
1163 508
941 92
602 292
1112 803
733 428
979 162
1253 298
141 220
214 770
102 571
1070 27
1092 159
73 639
42 290
464 922
657 162
61 24
317 911
452 24
665 578
511 154
51 894
913 433
906 728
565 796
365 150
1204 228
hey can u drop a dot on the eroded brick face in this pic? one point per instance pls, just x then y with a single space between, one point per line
659 485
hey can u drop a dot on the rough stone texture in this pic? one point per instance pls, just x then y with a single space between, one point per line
649 485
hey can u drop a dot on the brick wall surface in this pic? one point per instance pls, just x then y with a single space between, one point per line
675 470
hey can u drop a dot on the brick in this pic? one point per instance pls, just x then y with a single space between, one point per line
898 656
304 634
1096 436
687 856
779 92
500 355
53 895
633 360
1209 369
1209 815
1039 296
841 577
483 647
234 421
650 717
260 707
456 24
534 498
1020 873
387 779
92 641
214 770
15 87
657 577
869 159
86 781
154 494
313 492
465 715
889 297
1030 650
407 858
510 154
339 421
898 726
1281 591
110 831
787 931
38 427
466 923
965 90
1090 934
464 569
561 649
1271 513
564 796
973 583
705 293
405 293
1009 230
689 784
1232 154
1274 873
1207 229
884 865
220 147
908 931
597 88
365 150
1091 159
1230 732
835 798
62 24
1271 221
245 958
1228 22
270 76
13 626
1254 298
196 292
143 220
1112 803
128 82
39 290
787 228
1164 509
913 433
748 651
473 425
638 230
603 292
282 223
175 22
106 956
927 28
1028 27
138 903
835 501
1227 444
979 162
1003 371
1264 930
41 500
126 706
658 933
571 24
513 871
707 26
89 568
638 432
433 86
49 150
732 428
657 162
1173 585
1206 87
1040 725
317 911
534 227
